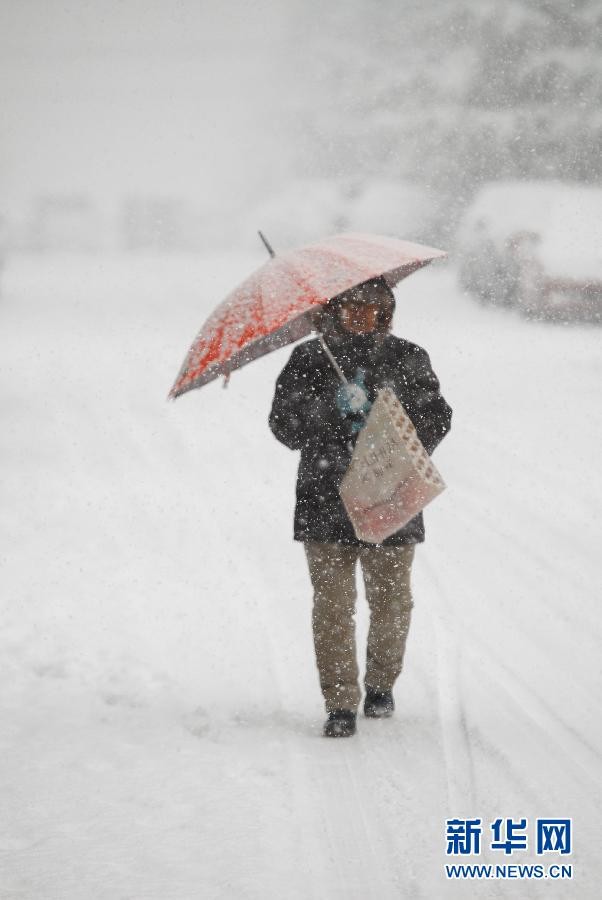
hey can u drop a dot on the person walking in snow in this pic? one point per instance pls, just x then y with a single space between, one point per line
315 413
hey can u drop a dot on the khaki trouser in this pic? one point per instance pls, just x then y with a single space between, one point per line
386 572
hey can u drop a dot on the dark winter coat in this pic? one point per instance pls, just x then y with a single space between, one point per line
305 417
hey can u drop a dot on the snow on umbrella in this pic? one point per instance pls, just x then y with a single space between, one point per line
274 305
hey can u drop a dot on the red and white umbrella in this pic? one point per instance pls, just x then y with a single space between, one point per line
274 305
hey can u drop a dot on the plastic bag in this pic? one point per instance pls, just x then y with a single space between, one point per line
391 478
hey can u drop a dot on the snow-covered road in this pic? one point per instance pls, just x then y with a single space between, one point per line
161 719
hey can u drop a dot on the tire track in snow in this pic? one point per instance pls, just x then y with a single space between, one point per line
582 626
350 821
458 755
450 701
533 706
347 817
528 552
543 511
525 553
527 700
470 509
588 634
488 446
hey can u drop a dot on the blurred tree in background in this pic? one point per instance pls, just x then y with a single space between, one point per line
450 94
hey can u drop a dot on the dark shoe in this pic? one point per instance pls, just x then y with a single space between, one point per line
378 704
340 723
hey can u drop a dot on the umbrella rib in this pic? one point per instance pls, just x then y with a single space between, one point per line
308 284
261 305
348 257
302 282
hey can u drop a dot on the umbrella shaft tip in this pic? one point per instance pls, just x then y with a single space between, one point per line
267 244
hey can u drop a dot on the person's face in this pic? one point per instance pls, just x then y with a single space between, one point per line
359 313
359 317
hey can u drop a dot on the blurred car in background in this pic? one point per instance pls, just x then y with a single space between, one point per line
536 246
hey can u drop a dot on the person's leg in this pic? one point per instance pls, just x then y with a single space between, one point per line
387 572
332 572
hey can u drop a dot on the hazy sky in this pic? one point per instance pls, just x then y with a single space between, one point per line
109 97
223 101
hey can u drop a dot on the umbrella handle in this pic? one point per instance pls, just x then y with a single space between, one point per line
330 356
336 366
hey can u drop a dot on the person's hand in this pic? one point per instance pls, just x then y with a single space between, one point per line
351 398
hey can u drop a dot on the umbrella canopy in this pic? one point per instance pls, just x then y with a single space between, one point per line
273 306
